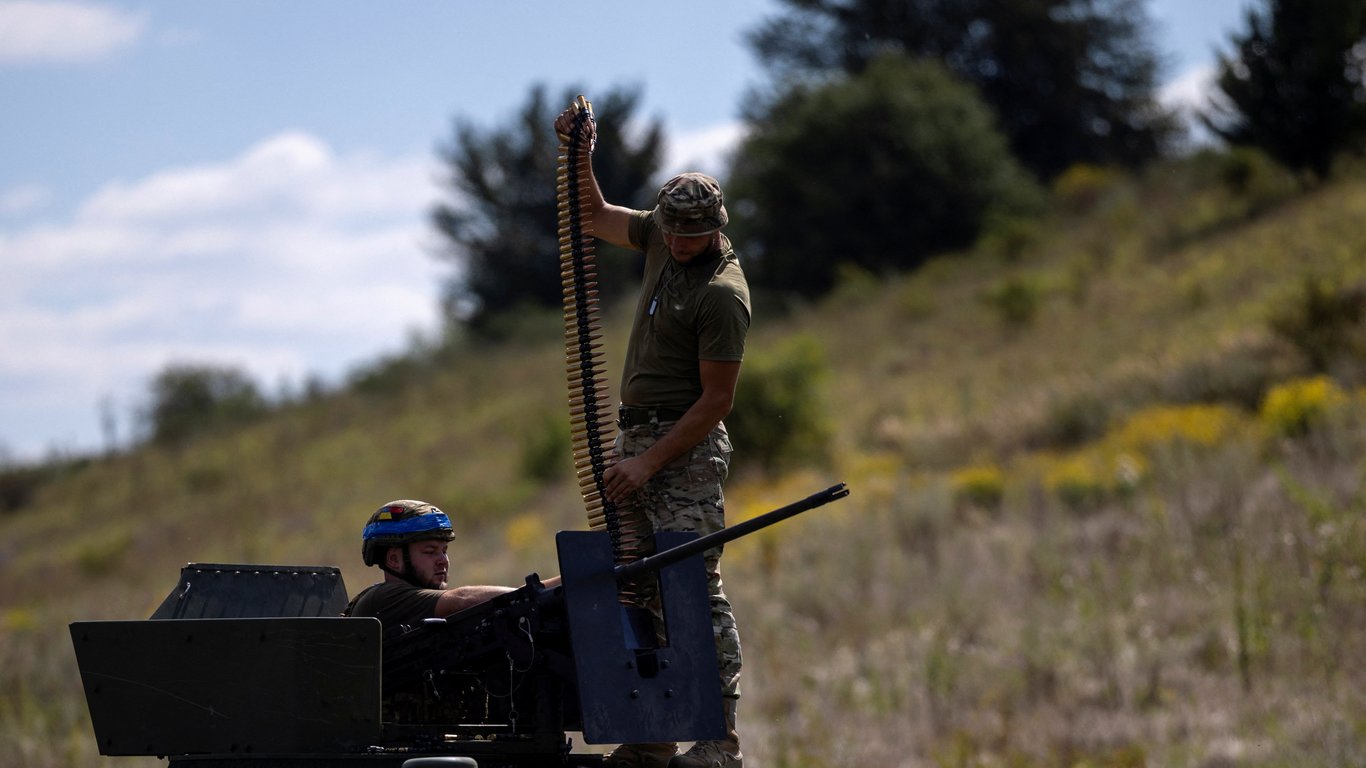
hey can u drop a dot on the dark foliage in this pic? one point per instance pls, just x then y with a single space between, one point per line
877 171
500 226
20 484
1326 322
1294 84
1071 81
187 399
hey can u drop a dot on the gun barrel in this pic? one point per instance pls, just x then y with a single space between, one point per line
670 556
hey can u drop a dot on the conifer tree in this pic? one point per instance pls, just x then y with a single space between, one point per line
499 226
1294 83
1069 80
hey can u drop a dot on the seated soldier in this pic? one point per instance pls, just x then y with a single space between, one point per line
407 539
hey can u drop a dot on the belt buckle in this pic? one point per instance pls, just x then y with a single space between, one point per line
627 416
639 416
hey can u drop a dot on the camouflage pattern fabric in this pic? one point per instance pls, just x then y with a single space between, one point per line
686 496
691 204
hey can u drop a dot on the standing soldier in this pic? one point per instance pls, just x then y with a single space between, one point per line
678 383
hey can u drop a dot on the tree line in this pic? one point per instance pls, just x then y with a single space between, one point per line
892 130
887 131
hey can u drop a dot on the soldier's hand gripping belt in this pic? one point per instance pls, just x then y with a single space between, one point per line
590 404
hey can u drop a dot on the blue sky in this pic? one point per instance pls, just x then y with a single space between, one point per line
246 183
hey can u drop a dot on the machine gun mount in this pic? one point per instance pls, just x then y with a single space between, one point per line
248 666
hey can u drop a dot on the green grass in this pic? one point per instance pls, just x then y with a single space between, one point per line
1208 610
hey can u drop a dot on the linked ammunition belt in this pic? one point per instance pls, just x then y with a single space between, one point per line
590 402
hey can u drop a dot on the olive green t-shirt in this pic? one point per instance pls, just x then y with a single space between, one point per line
684 314
395 603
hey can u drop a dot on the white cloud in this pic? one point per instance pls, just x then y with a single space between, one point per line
61 31
1190 90
287 261
707 150
283 178
1190 93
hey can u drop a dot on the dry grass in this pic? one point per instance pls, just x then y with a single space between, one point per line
1208 611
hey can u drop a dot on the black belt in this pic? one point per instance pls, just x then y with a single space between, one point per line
630 416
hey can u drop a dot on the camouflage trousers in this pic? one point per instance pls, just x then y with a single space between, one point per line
686 496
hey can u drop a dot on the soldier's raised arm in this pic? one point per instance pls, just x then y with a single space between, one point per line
604 220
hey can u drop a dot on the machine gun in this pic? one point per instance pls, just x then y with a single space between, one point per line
253 667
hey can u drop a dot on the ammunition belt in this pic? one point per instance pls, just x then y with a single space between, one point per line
591 426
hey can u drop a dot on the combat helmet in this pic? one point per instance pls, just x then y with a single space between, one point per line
691 204
401 522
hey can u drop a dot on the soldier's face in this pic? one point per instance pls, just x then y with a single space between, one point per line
685 248
430 562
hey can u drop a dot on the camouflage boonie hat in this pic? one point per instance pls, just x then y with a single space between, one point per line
691 204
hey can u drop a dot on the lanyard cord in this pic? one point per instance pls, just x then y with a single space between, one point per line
663 283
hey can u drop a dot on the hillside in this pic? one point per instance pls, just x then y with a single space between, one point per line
1101 514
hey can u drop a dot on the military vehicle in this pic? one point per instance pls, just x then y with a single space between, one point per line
249 666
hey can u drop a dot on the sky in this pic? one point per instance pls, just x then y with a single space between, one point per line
247 184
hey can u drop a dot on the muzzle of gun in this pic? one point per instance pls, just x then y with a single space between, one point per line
744 528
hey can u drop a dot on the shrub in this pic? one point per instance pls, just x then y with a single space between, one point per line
103 555
1197 425
778 417
883 169
543 448
387 375
1240 374
1081 188
1085 479
1117 463
1290 409
1076 481
525 533
854 285
1009 237
1016 301
1228 187
188 399
1325 321
18 620
1256 181
913 303
21 483
1073 421
979 486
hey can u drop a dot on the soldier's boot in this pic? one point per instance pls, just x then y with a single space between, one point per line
720 753
640 756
